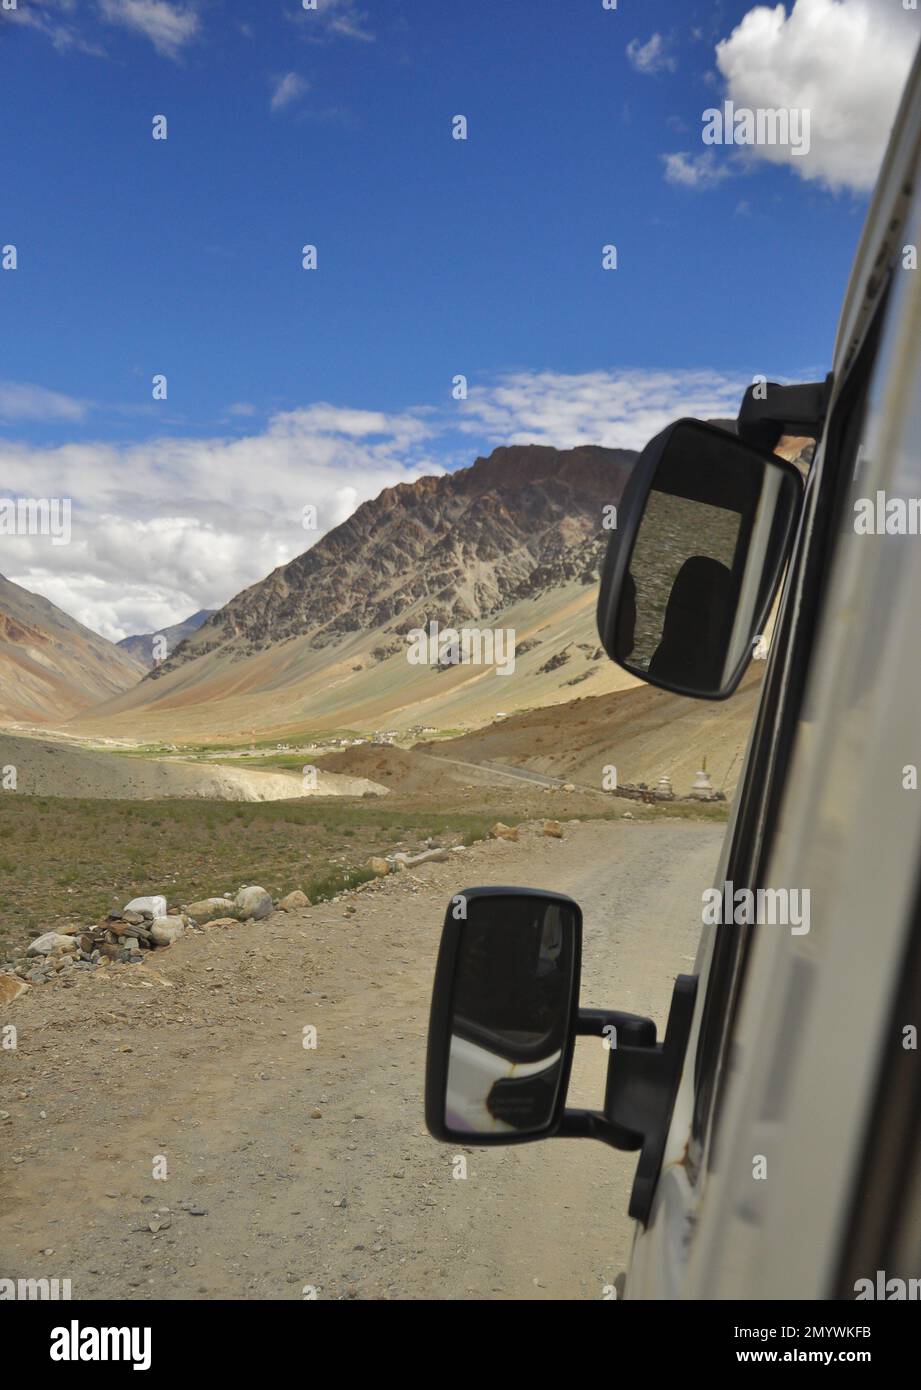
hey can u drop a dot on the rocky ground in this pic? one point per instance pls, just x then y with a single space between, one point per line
167 1134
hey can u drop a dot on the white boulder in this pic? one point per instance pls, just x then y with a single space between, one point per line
51 941
155 905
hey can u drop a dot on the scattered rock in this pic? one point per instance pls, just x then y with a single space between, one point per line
553 663
253 904
10 988
165 930
292 900
51 941
501 831
154 906
408 861
209 908
379 866
553 827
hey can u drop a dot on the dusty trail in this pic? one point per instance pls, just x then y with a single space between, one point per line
201 1062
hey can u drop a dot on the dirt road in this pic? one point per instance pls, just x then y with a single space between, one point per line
168 1135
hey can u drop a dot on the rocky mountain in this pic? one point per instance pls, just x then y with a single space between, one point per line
514 540
141 645
51 666
455 548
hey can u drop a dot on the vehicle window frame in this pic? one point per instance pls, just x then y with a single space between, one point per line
776 723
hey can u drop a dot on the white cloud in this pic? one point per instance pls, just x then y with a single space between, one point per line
22 401
288 89
620 409
53 19
167 526
168 26
164 527
651 57
344 19
694 170
844 61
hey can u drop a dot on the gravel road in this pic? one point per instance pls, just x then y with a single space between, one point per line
167 1134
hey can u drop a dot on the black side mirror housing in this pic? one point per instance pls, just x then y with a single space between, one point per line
705 527
505 1017
503 1021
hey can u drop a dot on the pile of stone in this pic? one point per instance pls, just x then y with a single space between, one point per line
702 790
144 924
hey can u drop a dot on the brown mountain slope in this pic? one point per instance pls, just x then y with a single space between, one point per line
513 541
643 732
51 666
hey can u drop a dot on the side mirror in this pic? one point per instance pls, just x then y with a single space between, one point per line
504 1011
705 527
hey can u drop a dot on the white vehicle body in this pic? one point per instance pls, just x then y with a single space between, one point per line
795 1112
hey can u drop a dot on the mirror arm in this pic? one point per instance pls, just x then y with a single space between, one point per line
629 1028
632 1033
642 1082
591 1124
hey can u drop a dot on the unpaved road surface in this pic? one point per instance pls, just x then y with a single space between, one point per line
194 1067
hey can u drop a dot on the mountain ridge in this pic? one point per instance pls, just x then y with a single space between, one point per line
51 666
517 538
141 644
473 495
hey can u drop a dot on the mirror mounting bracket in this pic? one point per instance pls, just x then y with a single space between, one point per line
642 1082
779 410
628 1028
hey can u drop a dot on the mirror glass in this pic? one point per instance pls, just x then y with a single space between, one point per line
510 1021
705 561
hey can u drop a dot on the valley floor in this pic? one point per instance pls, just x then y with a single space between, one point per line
289 1167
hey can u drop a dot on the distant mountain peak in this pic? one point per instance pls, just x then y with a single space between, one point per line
141 645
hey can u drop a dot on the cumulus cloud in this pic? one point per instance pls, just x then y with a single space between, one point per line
844 61
651 57
287 90
164 527
620 409
169 525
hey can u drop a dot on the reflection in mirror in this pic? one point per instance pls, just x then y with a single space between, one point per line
701 568
510 1021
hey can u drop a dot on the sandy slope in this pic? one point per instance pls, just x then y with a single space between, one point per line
48 768
51 666
643 732
200 1060
293 686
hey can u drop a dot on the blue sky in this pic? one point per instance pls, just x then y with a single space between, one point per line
436 256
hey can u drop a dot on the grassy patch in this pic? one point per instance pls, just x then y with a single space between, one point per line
72 859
